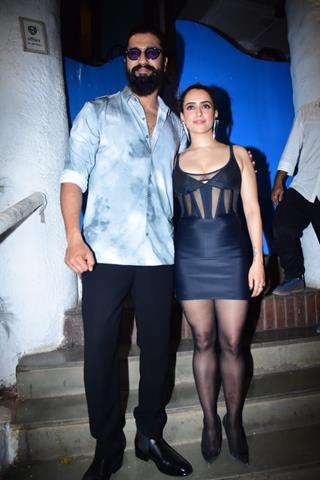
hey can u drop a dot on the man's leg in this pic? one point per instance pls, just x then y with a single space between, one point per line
152 294
103 292
292 216
315 217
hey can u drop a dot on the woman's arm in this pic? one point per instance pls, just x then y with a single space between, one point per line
249 195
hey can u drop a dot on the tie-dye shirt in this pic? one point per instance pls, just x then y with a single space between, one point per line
128 217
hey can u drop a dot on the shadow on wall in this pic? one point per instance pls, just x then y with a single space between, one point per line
6 317
223 104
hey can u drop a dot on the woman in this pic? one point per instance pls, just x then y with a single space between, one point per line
214 278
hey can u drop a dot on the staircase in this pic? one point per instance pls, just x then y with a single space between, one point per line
282 413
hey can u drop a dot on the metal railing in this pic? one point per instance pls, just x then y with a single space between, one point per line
21 210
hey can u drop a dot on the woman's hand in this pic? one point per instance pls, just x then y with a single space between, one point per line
256 277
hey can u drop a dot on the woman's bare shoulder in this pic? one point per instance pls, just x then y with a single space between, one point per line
241 151
242 155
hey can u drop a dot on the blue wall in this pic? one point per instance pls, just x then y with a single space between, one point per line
254 97
85 82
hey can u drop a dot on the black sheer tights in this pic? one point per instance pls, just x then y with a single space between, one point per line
221 320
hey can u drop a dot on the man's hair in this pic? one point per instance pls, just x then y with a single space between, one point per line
145 28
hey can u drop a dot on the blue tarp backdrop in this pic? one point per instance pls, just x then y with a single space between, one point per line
254 97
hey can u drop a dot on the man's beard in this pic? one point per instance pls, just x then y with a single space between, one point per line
144 85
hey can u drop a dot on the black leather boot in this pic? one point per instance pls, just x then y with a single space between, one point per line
167 460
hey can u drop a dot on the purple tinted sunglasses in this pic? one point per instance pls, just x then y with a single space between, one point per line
151 53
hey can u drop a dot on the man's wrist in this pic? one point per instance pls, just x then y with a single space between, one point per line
74 236
281 175
280 179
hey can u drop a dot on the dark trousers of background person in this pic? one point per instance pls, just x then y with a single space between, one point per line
293 214
104 290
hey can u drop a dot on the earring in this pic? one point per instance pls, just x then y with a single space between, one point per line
186 130
215 126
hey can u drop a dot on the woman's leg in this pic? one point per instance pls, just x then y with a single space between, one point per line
200 316
231 317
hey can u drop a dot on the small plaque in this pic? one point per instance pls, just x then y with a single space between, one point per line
34 35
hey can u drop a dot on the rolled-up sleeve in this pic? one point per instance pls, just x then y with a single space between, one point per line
293 146
83 145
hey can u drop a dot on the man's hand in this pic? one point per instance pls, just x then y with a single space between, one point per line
252 161
278 187
79 257
277 194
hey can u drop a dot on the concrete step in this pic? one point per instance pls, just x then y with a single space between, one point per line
60 372
57 427
287 454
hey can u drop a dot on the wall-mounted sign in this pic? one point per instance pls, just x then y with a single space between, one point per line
34 35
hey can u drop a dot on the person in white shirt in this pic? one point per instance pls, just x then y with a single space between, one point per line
298 206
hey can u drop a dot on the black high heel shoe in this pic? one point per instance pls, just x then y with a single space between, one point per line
240 452
209 453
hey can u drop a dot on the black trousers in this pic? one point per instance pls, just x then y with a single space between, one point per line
104 290
293 214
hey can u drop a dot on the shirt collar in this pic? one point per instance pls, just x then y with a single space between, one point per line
163 107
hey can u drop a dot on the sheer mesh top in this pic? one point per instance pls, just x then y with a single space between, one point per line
208 195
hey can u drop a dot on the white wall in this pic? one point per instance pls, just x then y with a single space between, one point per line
35 286
304 40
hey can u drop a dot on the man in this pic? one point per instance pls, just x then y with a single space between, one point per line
124 147
299 205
